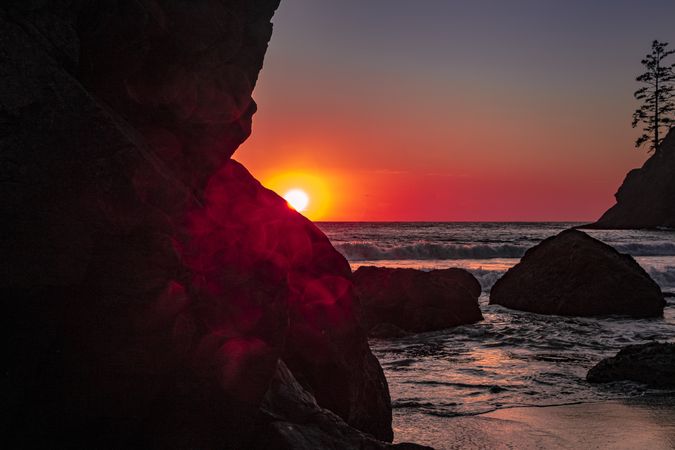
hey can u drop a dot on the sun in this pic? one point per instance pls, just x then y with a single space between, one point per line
297 199
305 191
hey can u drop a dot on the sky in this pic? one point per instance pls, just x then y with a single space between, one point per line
449 110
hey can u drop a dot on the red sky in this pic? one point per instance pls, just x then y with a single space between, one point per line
383 112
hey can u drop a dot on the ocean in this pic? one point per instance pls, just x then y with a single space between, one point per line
511 358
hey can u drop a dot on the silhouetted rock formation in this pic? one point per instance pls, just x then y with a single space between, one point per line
652 364
572 274
417 301
646 199
151 284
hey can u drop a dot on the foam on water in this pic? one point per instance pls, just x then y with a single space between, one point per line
361 251
511 358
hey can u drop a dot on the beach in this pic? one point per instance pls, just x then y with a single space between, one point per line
647 423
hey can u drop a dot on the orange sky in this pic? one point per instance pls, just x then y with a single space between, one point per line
374 130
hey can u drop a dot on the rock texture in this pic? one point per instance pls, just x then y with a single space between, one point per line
573 274
652 364
298 422
646 199
151 284
387 331
417 301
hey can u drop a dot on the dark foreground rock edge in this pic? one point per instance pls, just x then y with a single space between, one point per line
152 286
652 364
573 274
297 421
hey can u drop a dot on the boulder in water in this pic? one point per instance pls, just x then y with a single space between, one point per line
417 301
652 364
573 274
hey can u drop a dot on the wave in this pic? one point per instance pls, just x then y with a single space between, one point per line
664 277
360 251
640 249
363 251
487 278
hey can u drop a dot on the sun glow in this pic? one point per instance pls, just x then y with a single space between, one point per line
297 199
306 192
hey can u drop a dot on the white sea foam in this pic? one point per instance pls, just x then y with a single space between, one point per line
366 251
647 249
487 278
664 277
361 251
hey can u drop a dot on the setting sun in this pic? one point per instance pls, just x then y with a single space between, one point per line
305 191
297 199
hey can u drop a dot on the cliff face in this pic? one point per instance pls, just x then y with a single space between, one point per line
646 199
152 286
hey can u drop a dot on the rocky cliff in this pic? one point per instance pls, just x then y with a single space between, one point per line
154 290
646 199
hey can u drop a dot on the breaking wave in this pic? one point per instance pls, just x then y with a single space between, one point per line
362 251
659 249
487 278
354 251
664 277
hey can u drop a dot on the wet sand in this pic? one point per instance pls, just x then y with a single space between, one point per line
634 424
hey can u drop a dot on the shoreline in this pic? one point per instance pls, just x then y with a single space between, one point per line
642 422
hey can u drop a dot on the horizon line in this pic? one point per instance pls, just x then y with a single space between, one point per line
452 221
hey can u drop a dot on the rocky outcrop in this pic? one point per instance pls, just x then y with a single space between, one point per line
573 274
261 269
152 285
646 199
417 301
652 364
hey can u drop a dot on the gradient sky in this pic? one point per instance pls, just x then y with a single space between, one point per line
453 110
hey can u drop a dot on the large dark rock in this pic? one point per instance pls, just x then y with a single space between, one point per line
652 364
255 262
646 199
415 300
573 274
151 284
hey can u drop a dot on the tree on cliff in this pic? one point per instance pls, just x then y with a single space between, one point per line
657 96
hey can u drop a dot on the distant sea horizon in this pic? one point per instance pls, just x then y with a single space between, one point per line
487 249
452 221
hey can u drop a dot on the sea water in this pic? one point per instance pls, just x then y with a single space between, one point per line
511 358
